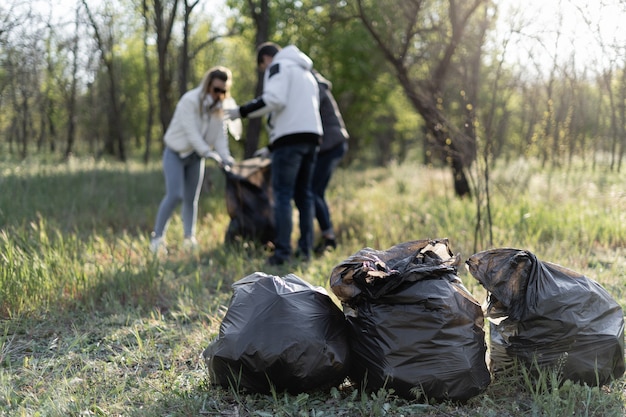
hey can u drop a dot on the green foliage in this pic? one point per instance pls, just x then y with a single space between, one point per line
342 51
572 114
550 396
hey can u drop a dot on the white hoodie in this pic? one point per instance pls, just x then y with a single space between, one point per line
291 95
196 127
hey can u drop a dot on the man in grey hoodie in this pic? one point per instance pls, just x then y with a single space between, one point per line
290 100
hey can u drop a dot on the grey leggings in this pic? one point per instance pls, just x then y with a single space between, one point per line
183 181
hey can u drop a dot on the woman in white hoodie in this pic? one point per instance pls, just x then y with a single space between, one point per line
196 131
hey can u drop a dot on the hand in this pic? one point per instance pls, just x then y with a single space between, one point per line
232 114
234 127
264 152
214 155
228 162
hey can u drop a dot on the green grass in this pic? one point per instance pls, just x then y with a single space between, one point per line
92 324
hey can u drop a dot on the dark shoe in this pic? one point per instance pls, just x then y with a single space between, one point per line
326 245
275 260
301 257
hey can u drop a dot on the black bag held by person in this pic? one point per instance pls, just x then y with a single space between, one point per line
413 326
279 331
249 201
545 315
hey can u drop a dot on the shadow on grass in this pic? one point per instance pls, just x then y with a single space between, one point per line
102 300
102 201
155 321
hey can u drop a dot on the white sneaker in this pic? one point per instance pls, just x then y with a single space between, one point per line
157 245
190 244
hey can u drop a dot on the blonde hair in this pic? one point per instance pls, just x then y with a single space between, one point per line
219 72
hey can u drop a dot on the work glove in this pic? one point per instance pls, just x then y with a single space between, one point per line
232 114
214 156
228 162
264 152
234 127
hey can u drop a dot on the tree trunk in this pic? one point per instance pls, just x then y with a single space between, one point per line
149 86
163 27
183 73
24 116
71 99
262 24
405 42
116 137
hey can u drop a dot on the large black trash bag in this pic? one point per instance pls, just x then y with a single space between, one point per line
547 316
282 331
249 201
413 326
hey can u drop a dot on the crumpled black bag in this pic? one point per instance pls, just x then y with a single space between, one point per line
249 201
545 315
282 331
413 326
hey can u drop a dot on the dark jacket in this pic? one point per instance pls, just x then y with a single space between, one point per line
335 132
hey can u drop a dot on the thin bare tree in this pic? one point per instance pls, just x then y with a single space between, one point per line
71 95
260 12
163 18
149 84
420 43
104 37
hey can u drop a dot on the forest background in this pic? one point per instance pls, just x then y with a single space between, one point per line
525 107
430 80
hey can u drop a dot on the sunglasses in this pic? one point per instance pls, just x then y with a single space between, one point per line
218 90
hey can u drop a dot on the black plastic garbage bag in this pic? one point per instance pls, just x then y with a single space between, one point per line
282 331
249 201
545 315
413 326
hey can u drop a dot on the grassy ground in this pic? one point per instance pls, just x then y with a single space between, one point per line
92 324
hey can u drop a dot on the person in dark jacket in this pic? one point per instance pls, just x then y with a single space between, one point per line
334 146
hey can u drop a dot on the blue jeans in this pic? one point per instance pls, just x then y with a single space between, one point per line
292 172
183 182
326 164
